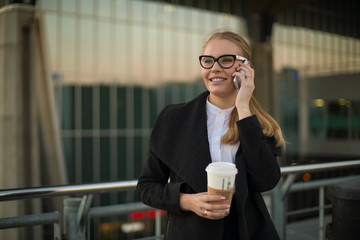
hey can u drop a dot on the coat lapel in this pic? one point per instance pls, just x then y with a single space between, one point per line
197 146
180 140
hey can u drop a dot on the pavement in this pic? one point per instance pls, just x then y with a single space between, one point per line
305 229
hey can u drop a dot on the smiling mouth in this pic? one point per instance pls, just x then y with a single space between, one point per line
217 79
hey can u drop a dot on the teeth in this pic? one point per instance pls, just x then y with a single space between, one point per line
218 79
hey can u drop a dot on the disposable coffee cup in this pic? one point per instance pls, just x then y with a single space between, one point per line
221 179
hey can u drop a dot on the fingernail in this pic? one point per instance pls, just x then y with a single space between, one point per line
228 206
222 198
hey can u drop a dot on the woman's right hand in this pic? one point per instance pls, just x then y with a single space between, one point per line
200 203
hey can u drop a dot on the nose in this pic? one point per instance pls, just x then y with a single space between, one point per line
216 67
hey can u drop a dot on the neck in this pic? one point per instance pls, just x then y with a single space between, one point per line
222 102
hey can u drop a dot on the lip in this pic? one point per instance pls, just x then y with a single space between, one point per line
217 79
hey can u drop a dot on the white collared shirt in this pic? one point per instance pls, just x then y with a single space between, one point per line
217 126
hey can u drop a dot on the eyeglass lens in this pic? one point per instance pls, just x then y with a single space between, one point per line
226 61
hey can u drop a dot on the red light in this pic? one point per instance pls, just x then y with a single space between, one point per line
152 214
145 215
137 215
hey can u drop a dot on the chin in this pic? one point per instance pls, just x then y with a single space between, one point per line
221 94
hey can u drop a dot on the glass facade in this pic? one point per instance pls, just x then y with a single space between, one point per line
116 63
317 107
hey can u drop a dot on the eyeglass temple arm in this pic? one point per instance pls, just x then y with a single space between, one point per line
241 58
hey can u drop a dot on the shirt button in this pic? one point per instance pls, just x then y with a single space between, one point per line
218 124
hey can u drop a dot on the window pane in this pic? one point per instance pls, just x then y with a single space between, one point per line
87 107
87 159
68 107
121 107
69 155
138 107
356 120
121 154
338 120
105 159
317 118
104 107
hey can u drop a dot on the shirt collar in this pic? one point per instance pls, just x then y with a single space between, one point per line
216 110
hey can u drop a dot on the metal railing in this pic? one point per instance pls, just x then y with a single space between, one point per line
78 211
278 208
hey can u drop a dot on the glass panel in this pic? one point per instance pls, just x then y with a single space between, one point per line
86 107
68 5
121 53
48 4
121 154
121 107
317 118
104 107
289 107
121 9
68 47
52 37
103 51
86 7
69 155
68 108
154 110
87 159
138 155
338 119
105 159
356 120
86 51
104 8
138 107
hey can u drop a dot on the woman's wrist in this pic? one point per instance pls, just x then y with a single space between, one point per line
184 201
243 112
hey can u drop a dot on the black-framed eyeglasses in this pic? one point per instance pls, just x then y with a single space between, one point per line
225 61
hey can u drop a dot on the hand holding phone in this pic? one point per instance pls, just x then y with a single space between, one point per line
236 80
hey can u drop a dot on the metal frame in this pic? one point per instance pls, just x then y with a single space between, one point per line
77 211
32 220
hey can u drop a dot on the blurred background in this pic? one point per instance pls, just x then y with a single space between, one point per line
109 67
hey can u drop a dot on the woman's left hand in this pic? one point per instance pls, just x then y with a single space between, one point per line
246 90
201 204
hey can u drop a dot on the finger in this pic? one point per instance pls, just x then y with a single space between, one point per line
219 207
205 213
216 214
245 67
213 198
214 207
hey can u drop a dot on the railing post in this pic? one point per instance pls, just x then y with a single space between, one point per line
321 213
158 224
72 231
279 204
278 211
57 231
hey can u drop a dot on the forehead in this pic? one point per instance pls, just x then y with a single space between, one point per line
218 47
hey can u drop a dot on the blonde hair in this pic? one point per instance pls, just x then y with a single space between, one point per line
268 124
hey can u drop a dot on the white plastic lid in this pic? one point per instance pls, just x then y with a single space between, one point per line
222 168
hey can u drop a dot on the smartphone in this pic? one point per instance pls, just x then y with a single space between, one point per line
236 80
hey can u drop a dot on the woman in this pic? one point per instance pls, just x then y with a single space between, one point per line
222 124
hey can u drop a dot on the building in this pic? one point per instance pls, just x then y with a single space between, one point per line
114 64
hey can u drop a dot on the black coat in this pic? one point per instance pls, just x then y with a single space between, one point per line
179 150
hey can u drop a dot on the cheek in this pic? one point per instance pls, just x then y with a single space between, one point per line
231 71
204 73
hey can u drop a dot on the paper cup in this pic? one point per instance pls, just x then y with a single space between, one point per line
221 179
